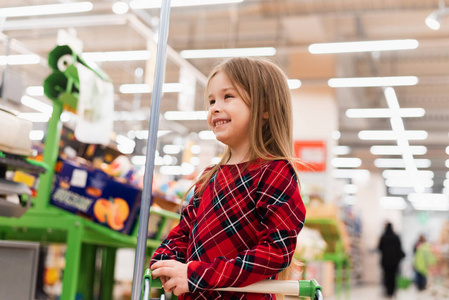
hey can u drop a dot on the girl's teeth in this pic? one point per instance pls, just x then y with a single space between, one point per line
220 123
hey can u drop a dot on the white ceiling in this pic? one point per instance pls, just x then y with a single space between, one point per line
288 25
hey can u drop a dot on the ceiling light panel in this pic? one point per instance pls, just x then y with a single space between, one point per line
49 9
373 81
363 46
385 112
396 150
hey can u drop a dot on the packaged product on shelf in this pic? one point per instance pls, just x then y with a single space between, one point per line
93 194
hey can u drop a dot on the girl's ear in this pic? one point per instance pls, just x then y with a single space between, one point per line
265 115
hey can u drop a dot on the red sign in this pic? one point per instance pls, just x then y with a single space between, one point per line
312 155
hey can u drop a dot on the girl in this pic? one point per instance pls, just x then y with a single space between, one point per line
242 222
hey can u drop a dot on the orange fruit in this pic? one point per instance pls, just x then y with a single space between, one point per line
101 209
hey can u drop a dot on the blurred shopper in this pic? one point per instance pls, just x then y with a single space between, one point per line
422 261
391 255
421 239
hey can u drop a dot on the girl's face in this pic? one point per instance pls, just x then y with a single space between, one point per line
228 115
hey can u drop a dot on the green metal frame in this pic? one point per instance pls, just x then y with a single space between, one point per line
328 228
48 224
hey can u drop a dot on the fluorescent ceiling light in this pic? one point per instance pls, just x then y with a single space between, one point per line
392 203
408 182
35 90
121 139
172 149
195 149
400 190
294 84
20 59
400 163
66 116
446 183
350 188
36 104
194 161
421 201
346 162
350 200
143 4
394 174
35 117
396 150
336 135
36 135
184 169
143 134
350 173
388 135
207 135
364 46
185 115
124 115
124 144
139 160
433 20
120 7
341 150
397 126
232 52
373 81
142 88
66 21
117 56
385 112
48 9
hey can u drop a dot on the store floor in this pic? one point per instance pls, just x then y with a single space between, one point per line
375 293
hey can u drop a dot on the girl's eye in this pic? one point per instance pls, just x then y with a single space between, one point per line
228 96
211 102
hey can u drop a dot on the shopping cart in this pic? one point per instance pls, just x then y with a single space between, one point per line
299 288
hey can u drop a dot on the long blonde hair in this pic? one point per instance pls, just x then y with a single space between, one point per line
266 92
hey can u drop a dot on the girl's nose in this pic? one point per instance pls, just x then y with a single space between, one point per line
216 108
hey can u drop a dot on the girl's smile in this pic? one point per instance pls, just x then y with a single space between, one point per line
218 122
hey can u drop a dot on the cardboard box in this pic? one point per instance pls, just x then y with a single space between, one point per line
93 194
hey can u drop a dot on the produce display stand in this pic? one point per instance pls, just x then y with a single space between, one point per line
335 252
45 223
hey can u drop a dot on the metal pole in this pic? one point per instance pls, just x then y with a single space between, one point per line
147 198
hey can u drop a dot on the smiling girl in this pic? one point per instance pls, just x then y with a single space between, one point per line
242 222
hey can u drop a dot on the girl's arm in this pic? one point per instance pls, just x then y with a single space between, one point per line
175 245
282 214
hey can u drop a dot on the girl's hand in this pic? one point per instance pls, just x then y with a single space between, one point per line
173 275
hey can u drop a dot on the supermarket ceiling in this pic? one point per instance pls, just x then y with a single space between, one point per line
290 26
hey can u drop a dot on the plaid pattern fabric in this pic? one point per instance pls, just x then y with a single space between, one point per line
242 229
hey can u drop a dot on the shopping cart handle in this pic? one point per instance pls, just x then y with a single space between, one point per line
301 288
298 288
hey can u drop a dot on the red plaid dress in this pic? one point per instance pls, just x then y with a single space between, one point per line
242 229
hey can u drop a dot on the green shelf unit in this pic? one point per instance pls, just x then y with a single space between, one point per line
45 223
83 238
335 252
